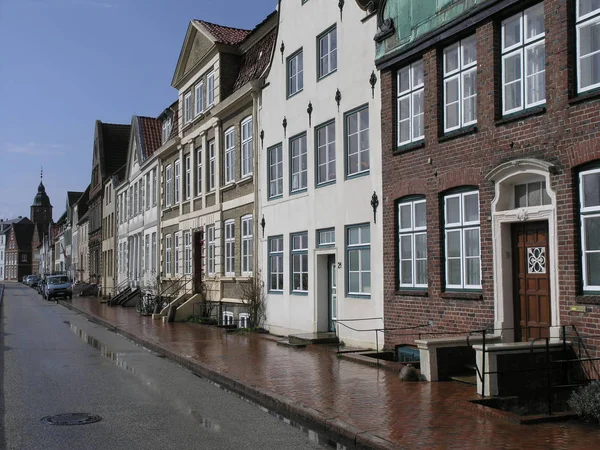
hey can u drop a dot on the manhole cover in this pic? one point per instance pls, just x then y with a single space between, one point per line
71 419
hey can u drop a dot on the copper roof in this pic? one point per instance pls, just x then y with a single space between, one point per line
225 35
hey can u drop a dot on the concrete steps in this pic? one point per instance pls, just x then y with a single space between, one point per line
319 338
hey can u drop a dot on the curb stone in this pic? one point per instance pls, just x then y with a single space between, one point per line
327 424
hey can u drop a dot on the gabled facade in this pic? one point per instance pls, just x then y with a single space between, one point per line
18 255
109 235
71 202
79 248
321 246
60 254
5 226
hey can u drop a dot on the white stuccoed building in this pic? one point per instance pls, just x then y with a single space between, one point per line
320 167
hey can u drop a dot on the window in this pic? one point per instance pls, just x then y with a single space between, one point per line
295 74
243 320
177 179
326 153
411 103
210 250
168 187
298 158
23 258
210 89
588 44
275 155
230 248
142 195
531 194
153 253
199 92
359 259
523 60
176 252
463 255
412 243
357 141
188 178
148 191
299 259
211 165
147 253
230 156
187 107
166 129
589 197
460 84
198 171
154 186
328 52
276 263
136 207
227 318
168 266
247 151
187 253
247 244
326 238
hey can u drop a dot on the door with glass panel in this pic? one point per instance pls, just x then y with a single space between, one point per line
332 310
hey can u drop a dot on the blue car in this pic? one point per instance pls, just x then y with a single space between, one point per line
58 286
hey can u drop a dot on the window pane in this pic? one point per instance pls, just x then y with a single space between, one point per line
469 50
404 80
451 87
593 269
421 272
418 109
471 242
406 272
591 190
365 259
454 272
512 82
417 73
365 235
420 246
353 260
405 216
589 45
536 75
592 233
545 197
511 29
534 196
406 246
534 21
470 96
420 217
472 273
451 58
353 236
452 210
366 282
453 247
353 282
520 196
587 6
471 208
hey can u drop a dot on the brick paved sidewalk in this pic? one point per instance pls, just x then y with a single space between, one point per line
360 402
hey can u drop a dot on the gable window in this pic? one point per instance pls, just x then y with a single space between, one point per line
460 84
211 165
154 186
299 162
295 73
326 153
247 243
411 103
210 89
168 187
588 44
247 151
357 141
299 257
187 253
176 259
187 107
275 171
589 210
412 243
188 178
359 259
531 194
166 129
199 92
523 60
276 263
210 250
168 266
230 156
230 248
177 180
328 52
326 238
198 171
463 254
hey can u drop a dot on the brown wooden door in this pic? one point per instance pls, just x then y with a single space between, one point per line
198 256
531 280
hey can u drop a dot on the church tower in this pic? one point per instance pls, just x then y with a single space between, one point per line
41 209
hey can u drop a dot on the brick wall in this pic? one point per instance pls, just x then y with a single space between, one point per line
565 134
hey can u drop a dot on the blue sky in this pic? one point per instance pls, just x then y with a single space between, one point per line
66 63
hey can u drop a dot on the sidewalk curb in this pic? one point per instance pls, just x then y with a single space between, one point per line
321 422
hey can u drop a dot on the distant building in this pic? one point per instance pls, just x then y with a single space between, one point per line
5 226
18 250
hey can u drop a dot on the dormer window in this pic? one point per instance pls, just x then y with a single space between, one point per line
166 129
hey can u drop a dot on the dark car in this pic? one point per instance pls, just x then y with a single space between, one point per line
33 281
58 286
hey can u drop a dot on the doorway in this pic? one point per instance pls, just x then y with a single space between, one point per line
531 280
198 255
332 292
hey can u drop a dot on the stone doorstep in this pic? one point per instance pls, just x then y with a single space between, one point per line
287 343
455 341
313 338
280 404
515 347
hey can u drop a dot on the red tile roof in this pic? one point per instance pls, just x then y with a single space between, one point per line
256 60
225 35
150 133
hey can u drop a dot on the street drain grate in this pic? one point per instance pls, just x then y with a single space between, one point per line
71 419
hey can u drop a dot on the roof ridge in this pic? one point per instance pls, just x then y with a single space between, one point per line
222 26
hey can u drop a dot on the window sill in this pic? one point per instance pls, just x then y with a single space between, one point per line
322 77
300 293
324 184
593 94
462 296
408 147
275 197
412 293
294 94
520 115
465 131
588 299
227 278
359 296
299 191
275 292
364 173
246 179
228 186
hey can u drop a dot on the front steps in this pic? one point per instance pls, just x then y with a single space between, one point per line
304 339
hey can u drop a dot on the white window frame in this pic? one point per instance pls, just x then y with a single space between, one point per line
188 177
148 191
187 252
228 318
211 165
199 100
462 226
153 253
136 206
210 89
275 167
168 261
276 254
328 147
243 320
142 193
187 107
361 246
176 253
412 232
247 149
229 163
210 250
168 187
416 88
299 247
362 134
146 253
329 58
520 49
459 74
295 80
326 237
154 186
177 180
198 171
247 246
591 18
229 244
585 213
299 156
166 129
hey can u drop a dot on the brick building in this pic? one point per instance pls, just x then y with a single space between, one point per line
491 165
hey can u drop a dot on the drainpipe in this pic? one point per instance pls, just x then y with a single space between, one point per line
256 95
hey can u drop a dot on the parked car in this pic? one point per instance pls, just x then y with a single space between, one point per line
24 280
41 285
58 286
33 281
